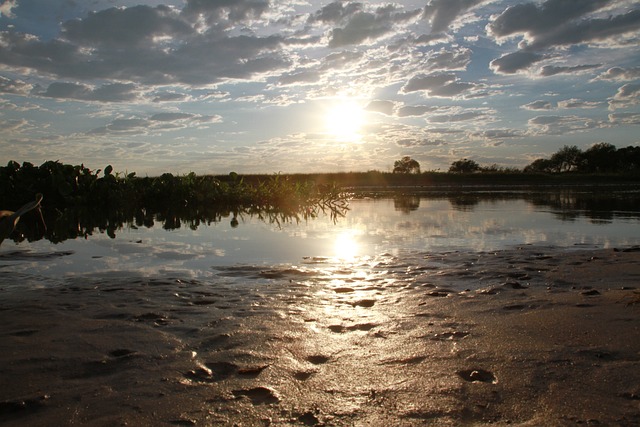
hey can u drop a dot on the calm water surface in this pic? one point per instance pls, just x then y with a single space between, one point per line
372 228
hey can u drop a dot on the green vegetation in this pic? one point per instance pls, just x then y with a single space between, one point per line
78 201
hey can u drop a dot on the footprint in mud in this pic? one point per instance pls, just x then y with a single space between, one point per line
318 359
258 395
477 375
358 327
364 303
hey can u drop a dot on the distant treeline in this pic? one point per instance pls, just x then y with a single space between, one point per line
599 158
76 185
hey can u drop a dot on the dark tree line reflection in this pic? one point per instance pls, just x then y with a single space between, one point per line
72 223
567 205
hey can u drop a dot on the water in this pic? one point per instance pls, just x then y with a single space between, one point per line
371 229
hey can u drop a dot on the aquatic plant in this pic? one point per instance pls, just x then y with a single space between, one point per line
78 201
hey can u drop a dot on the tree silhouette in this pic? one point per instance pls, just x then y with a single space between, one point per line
464 166
406 165
601 157
567 159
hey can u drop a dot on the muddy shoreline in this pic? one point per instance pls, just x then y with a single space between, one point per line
526 336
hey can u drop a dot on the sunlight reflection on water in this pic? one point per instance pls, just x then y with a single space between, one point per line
370 229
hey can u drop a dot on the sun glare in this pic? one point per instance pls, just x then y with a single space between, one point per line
346 246
344 121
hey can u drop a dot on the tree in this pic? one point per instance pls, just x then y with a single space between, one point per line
464 166
600 157
567 159
406 165
539 165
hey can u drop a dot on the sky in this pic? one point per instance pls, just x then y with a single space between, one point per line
254 86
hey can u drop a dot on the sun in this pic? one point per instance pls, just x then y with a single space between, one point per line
344 120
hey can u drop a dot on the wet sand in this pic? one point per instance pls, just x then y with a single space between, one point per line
529 336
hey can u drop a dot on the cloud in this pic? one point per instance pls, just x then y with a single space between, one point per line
442 13
499 134
620 74
171 117
115 92
17 87
381 106
627 95
363 26
415 110
157 47
540 19
625 118
224 12
335 12
457 117
556 24
539 105
126 27
440 85
444 59
588 31
577 103
511 63
559 125
423 142
13 125
428 82
551 70
303 77
159 122
166 96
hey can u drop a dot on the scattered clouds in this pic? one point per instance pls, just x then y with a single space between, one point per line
559 125
459 116
381 106
442 13
620 74
539 105
625 118
439 85
511 63
627 96
115 92
552 70
153 77
362 26
17 87
577 103
555 24
156 123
